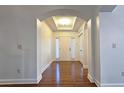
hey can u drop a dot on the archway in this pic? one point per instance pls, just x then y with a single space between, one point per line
71 12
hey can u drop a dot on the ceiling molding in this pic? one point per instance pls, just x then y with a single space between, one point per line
50 22
78 22
64 22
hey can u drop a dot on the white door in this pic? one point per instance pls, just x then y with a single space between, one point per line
73 48
57 48
65 49
81 49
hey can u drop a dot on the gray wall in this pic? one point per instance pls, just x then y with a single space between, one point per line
44 47
112 47
17 45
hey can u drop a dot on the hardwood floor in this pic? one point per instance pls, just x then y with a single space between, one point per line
62 74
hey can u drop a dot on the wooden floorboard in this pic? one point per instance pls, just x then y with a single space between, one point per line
62 74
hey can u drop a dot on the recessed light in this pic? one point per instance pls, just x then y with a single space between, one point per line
64 21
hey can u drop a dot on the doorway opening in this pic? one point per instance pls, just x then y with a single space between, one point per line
66 48
57 48
68 39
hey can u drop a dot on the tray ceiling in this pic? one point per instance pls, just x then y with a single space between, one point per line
64 23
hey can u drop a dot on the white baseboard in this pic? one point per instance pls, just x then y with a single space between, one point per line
90 78
112 85
85 66
39 78
24 81
17 81
47 65
97 83
108 84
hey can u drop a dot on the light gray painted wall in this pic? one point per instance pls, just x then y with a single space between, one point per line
97 52
112 60
94 70
44 47
90 52
17 30
39 50
95 46
83 34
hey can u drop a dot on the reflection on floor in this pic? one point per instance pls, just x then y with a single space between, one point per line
63 74
66 74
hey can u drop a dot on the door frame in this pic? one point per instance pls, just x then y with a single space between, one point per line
71 59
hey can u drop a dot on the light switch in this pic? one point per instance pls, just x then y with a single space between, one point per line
19 46
114 45
122 74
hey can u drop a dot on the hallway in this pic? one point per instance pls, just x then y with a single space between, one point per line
62 74
79 37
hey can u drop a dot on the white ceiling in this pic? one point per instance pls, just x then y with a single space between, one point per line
64 22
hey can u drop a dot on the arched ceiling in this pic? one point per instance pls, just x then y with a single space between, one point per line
43 12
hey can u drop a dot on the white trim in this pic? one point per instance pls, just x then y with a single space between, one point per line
39 78
97 83
112 85
24 81
85 66
90 78
17 81
47 65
